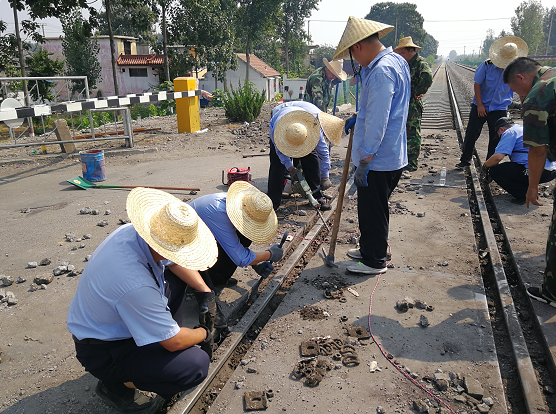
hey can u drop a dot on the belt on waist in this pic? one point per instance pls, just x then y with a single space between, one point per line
93 341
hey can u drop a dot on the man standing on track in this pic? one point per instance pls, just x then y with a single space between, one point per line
492 96
379 139
537 84
421 80
318 89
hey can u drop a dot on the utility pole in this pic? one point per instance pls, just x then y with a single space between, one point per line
396 33
464 52
549 31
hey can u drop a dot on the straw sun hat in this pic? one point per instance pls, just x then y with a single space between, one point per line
504 50
172 228
407 42
296 133
250 211
332 126
357 30
336 67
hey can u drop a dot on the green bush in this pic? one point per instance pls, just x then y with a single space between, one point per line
244 103
218 98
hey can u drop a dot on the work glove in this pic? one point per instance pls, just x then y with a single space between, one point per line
276 253
361 173
325 183
208 344
335 81
485 174
350 123
206 302
263 269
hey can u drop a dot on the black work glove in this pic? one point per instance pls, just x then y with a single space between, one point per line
276 253
264 269
208 343
361 173
207 308
485 173
350 123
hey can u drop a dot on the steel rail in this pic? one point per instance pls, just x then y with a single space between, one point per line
533 399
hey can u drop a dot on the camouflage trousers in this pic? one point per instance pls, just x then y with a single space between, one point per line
413 127
549 282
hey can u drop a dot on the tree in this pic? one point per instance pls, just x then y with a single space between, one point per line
453 56
487 43
405 18
135 19
8 48
528 24
80 50
430 46
291 22
253 19
40 64
325 51
205 28
549 28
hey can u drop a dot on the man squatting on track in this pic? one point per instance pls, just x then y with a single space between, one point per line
537 84
492 96
125 317
513 176
379 139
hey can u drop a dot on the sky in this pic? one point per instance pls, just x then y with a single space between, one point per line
459 25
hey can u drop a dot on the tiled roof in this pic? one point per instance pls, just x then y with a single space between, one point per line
140 60
259 65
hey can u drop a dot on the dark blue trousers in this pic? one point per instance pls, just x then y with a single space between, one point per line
374 216
473 130
150 367
512 177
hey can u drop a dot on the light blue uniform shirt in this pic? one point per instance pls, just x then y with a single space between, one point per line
380 127
511 143
118 297
212 210
322 147
495 94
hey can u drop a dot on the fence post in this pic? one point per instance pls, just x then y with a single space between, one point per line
128 129
187 109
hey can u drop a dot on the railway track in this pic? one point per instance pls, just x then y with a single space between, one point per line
445 108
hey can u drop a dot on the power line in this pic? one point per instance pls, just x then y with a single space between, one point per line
463 20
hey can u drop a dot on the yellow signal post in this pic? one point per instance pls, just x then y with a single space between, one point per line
187 109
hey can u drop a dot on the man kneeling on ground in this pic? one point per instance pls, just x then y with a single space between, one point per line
513 176
125 318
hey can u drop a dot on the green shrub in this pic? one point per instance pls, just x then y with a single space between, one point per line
244 103
278 97
218 98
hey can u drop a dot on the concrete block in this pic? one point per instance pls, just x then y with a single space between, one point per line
63 134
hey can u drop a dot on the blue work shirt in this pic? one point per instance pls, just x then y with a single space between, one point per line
212 210
511 144
380 129
321 150
118 296
495 94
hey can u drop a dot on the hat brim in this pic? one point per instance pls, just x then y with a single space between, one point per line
313 133
342 75
332 126
357 30
257 232
494 50
143 203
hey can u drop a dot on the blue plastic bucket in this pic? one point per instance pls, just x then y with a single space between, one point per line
92 164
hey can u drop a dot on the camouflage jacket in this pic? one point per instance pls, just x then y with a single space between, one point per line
318 90
539 112
421 78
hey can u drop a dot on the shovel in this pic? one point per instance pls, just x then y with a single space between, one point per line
339 205
86 184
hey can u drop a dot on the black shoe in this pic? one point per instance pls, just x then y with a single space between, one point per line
518 201
462 164
131 401
536 293
230 282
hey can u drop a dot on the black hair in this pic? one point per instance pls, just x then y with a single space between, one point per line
519 66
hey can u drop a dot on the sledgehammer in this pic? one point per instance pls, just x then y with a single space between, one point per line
339 206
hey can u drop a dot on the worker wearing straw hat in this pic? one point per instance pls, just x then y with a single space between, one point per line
298 133
126 315
318 89
236 219
492 96
379 140
421 80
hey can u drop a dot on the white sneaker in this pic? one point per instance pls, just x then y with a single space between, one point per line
354 254
362 269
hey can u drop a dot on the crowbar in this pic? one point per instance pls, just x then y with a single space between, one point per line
256 285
